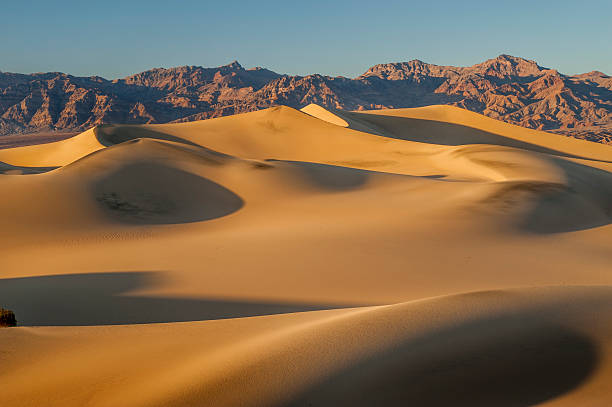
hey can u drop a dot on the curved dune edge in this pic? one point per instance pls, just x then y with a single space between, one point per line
456 344
318 255
458 116
53 154
324 114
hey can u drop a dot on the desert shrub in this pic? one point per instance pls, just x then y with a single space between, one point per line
7 318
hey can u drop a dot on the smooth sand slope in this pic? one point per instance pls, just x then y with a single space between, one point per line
425 257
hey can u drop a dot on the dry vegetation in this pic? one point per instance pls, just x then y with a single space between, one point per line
7 318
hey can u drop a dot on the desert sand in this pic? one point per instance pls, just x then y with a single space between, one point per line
424 257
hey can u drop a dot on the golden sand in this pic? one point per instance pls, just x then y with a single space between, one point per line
426 257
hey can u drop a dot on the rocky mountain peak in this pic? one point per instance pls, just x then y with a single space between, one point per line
592 74
507 66
508 88
402 70
234 65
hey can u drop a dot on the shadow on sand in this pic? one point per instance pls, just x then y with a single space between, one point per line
101 299
154 193
10 169
585 202
330 177
110 135
504 362
450 134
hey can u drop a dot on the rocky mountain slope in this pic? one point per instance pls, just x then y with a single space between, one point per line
507 88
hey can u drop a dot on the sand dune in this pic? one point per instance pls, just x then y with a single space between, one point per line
427 256
503 348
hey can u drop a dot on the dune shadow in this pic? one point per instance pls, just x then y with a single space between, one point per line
103 299
153 193
331 177
10 169
584 203
565 211
450 134
502 362
587 203
110 135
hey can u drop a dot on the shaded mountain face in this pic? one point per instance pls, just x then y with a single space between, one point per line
507 88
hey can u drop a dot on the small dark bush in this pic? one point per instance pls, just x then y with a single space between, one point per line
7 318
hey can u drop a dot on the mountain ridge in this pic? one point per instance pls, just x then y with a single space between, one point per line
507 88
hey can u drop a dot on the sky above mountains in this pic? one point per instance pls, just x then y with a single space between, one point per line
117 38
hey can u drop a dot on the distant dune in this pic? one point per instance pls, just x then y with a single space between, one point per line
427 256
18 140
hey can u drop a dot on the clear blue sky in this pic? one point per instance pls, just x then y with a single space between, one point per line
117 38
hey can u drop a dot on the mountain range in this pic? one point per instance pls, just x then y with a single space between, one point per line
508 88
